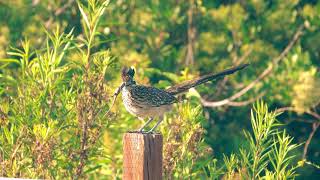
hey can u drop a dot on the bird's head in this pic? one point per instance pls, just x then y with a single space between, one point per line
127 75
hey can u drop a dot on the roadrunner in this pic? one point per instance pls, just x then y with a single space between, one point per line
150 102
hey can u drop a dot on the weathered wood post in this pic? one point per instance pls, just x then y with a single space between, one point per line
142 156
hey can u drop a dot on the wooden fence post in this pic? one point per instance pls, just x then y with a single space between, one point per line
142 156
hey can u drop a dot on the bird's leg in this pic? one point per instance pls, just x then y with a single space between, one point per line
155 127
146 124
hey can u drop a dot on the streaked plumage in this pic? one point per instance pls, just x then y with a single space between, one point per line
146 102
150 102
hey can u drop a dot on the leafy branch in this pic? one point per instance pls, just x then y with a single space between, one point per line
269 153
230 101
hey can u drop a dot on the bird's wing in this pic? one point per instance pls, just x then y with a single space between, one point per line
151 96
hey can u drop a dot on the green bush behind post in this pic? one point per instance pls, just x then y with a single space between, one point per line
56 118
55 86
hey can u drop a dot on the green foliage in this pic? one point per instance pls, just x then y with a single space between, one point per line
269 146
56 115
270 151
184 149
59 63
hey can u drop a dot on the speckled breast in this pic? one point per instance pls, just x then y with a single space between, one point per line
141 110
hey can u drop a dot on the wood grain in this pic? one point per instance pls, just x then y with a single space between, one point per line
142 156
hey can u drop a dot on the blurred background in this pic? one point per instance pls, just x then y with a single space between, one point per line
169 41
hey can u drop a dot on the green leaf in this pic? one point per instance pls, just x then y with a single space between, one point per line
92 169
84 15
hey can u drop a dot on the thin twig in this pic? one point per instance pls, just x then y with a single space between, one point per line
83 148
315 126
284 109
247 102
17 146
63 8
56 12
314 114
264 74
237 62
243 57
292 109
311 113
300 120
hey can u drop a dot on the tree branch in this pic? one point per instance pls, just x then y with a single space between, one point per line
315 126
249 101
314 114
191 35
284 109
264 74
311 113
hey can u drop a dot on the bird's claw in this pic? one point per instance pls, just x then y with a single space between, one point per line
140 130
150 132
143 132
137 131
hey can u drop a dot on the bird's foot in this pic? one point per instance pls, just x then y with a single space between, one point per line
141 130
151 131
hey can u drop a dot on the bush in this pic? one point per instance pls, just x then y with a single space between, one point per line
55 86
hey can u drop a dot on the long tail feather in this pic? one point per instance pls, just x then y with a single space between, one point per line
179 88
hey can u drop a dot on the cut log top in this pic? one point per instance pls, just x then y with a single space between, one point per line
142 156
